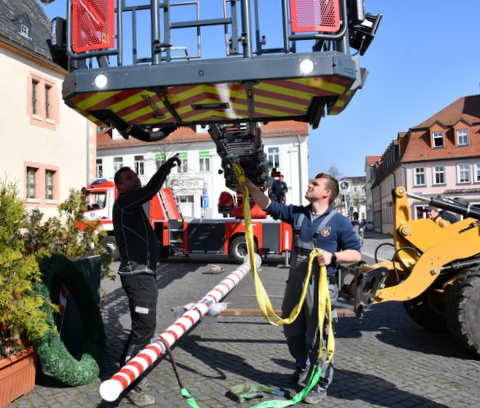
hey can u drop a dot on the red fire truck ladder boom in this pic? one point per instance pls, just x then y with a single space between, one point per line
308 71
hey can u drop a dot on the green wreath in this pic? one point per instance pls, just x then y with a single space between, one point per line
52 351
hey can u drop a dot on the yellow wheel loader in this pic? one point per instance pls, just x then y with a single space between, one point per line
434 271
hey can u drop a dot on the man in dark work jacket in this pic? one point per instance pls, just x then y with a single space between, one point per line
138 246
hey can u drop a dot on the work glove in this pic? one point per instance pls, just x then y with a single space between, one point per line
171 163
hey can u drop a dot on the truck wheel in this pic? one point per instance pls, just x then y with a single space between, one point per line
238 249
463 310
111 243
421 311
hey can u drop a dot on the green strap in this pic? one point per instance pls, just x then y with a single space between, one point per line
188 398
313 380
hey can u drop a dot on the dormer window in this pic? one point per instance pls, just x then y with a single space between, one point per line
438 140
23 25
25 30
462 137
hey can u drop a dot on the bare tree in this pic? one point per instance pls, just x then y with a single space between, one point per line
334 172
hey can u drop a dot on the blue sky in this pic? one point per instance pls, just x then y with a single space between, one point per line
425 56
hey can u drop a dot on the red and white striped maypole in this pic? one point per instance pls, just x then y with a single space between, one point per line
111 389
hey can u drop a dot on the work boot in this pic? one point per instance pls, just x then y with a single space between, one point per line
137 397
143 383
300 376
316 395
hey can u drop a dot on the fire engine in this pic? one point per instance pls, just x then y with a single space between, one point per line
141 67
218 236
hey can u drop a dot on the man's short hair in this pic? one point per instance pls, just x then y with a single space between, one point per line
119 172
332 185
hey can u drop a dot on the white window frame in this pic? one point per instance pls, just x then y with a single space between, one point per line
117 163
477 173
419 172
31 190
438 136
273 157
183 167
438 171
204 163
462 137
99 168
139 165
463 173
49 184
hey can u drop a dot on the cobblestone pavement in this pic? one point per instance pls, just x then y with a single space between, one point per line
383 360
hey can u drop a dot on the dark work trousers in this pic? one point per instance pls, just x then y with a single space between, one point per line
142 292
303 334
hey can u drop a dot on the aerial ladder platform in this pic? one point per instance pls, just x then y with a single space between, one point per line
149 67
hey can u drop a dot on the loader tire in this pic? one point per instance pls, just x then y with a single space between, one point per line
238 249
463 310
422 313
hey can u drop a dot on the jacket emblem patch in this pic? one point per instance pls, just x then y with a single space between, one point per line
326 231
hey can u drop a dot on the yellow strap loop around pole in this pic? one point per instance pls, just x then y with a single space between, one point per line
264 303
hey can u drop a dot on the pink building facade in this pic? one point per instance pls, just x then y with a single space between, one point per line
438 158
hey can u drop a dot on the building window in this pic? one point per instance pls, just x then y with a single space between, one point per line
420 176
35 85
438 175
49 185
438 139
139 165
477 173
463 173
204 161
43 95
159 159
462 137
24 30
419 211
31 182
48 97
273 158
183 168
41 183
184 199
117 163
99 168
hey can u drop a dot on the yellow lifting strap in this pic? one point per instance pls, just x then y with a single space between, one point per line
264 303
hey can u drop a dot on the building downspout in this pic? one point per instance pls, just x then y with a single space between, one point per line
300 174
88 153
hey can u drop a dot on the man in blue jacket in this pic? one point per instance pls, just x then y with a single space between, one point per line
316 225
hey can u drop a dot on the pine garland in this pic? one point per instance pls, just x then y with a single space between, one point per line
57 359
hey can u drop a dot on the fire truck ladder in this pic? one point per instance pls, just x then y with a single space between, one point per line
139 66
